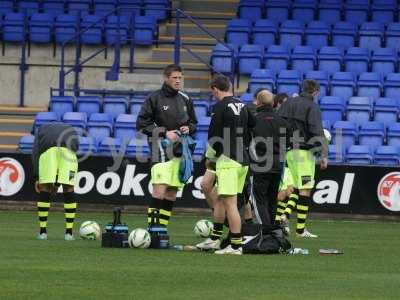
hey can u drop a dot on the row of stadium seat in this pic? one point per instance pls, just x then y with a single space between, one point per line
152 8
317 34
44 28
303 58
331 11
113 106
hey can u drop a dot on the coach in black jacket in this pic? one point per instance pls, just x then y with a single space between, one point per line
267 154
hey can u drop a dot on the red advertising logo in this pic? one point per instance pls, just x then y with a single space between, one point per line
12 176
389 191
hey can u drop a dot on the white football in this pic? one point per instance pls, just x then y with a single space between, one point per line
203 228
328 135
139 238
90 230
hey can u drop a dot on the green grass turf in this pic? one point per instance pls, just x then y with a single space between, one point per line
55 269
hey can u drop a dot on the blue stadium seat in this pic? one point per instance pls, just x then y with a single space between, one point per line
223 59
251 10
326 124
13 27
41 28
323 80
291 33
145 30
108 146
87 146
262 78
303 58
238 32
26 143
332 108
330 59
264 32
201 110
387 156
391 86
111 29
157 9
247 97
393 135
335 154
384 61
135 107
101 118
369 85
104 7
344 134
44 118
28 7
138 146
317 34
250 58
276 58
356 60
386 111
356 11
277 10
344 35
330 11
304 10
6 6
202 136
134 7
61 104
359 155
342 85
54 7
383 11
78 7
65 28
372 134
392 36
115 106
203 123
76 119
99 130
94 35
288 82
88 104
125 127
359 109
371 35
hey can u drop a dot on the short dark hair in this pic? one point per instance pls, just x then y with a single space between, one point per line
279 98
172 68
221 83
310 86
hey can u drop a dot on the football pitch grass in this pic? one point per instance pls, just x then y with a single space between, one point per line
56 269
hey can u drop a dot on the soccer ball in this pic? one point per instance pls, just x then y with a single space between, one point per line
90 230
139 238
203 228
328 135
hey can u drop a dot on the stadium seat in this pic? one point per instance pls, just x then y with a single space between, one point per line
250 58
28 7
108 146
61 104
291 33
330 59
88 104
76 119
156 9
344 35
111 29
304 10
65 28
78 7
288 82
392 36
99 130
391 86
145 31
251 10
323 80
383 11
393 135
344 133
247 97
386 111
330 11
359 155
135 107
13 27
371 35
138 146
335 154
238 32
277 10
342 85
134 8
6 6
41 28
326 124
93 35
387 155
26 143
303 58
317 34
356 11
115 106
125 127
384 61
276 58
223 59
356 60
264 32
369 85
332 108
101 118
87 146
201 110
53 7
262 78
44 118
359 109
203 123
104 7
372 134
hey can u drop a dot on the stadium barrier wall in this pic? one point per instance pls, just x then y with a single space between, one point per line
344 189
